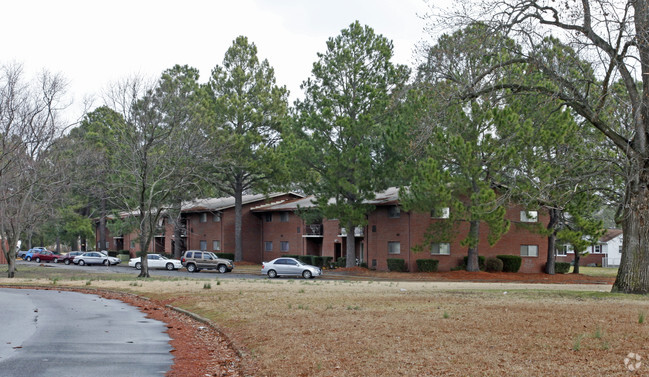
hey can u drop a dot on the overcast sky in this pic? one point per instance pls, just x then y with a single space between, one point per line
93 43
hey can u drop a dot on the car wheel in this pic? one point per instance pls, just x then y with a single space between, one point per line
106 262
223 269
38 260
170 266
67 261
29 259
192 268
138 265
307 274
82 263
272 274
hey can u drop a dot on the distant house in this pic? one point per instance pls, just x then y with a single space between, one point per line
606 253
272 227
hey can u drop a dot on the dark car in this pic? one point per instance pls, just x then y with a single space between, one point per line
69 257
196 260
45 256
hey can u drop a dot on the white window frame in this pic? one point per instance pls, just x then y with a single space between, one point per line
529 216
268 245
394 212
530 251
203 218
284 246
203 245
216 245
440 248
394 247
283 217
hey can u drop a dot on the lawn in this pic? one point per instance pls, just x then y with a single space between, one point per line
295 327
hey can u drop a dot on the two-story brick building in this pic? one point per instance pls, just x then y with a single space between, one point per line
271 228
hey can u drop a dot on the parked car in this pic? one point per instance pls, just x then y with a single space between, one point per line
29 254
45 256
95 257
196 260
156 261
289 267
69 257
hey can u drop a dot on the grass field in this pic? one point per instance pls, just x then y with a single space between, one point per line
295 327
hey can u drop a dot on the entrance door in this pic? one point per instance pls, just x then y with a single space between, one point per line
338 247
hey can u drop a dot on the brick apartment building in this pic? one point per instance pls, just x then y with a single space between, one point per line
271 228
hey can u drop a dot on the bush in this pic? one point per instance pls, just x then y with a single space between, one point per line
481 262
308 259
291 256
124 252
341 262
396 264
225 255
494 265
427 265
326 261
511 263
561 267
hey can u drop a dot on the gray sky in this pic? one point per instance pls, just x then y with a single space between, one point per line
93 43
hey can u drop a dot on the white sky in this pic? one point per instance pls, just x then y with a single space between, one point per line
93 43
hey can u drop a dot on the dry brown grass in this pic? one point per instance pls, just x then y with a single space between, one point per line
336 328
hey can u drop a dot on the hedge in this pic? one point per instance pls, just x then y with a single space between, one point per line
307 259
396 264
511 263
494 265
481 262
561 267
341 262
427 265
225 255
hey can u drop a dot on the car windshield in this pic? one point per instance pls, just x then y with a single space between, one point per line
214 256
163 257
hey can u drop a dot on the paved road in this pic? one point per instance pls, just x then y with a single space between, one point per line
56 333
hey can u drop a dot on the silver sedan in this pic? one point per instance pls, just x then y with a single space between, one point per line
289 267
95 257
156 261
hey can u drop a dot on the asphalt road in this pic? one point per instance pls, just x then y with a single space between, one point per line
63 334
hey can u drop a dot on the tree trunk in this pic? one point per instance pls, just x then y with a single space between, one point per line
178 228
102 226
633 274
575 269
144 243
238 204
552 241
11 258
350 255
472 263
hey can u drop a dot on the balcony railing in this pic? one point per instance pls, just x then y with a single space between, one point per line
313 230
358 232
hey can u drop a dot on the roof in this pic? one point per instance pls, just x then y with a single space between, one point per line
219 204
610 234
387 197
286 205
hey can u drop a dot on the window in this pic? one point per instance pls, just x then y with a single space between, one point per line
132 244
529 216
216 245
268 246
440 213
203 245
597 249
216 218
562 250
394 247
283 217
441 248
284 245
529 250
203 217
394 212
269 217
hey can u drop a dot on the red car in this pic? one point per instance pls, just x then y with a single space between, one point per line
69 257
46 256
